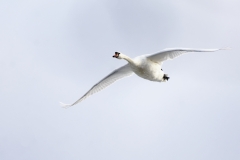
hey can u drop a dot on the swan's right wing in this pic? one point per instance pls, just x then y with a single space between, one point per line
175 52
111 78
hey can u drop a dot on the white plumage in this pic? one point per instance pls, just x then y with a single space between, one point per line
145 66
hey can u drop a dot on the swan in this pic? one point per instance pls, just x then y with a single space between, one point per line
145 66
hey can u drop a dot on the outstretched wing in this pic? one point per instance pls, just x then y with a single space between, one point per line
112 77
175 52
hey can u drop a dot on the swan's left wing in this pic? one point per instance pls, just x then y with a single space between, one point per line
173 53
112 77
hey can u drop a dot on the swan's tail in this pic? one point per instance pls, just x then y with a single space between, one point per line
65 105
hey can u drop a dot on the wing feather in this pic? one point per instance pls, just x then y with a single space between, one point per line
175 52
109 79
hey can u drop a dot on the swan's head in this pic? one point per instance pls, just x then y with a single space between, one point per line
117 55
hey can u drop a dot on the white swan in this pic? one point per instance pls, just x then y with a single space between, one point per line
145 66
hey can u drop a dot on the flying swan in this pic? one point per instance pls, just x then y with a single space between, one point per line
145 66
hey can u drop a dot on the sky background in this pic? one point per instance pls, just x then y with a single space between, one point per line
56 50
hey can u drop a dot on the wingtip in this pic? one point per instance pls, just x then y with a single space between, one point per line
227 48
65 105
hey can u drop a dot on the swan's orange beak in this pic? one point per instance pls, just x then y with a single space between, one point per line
116 55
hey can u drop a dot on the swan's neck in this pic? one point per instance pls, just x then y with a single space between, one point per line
123 56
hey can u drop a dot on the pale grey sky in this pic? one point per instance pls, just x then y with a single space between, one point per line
53 51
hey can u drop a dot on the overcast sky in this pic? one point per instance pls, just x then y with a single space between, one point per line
53 51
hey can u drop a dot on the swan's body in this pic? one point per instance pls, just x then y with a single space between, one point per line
145 66
147 69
